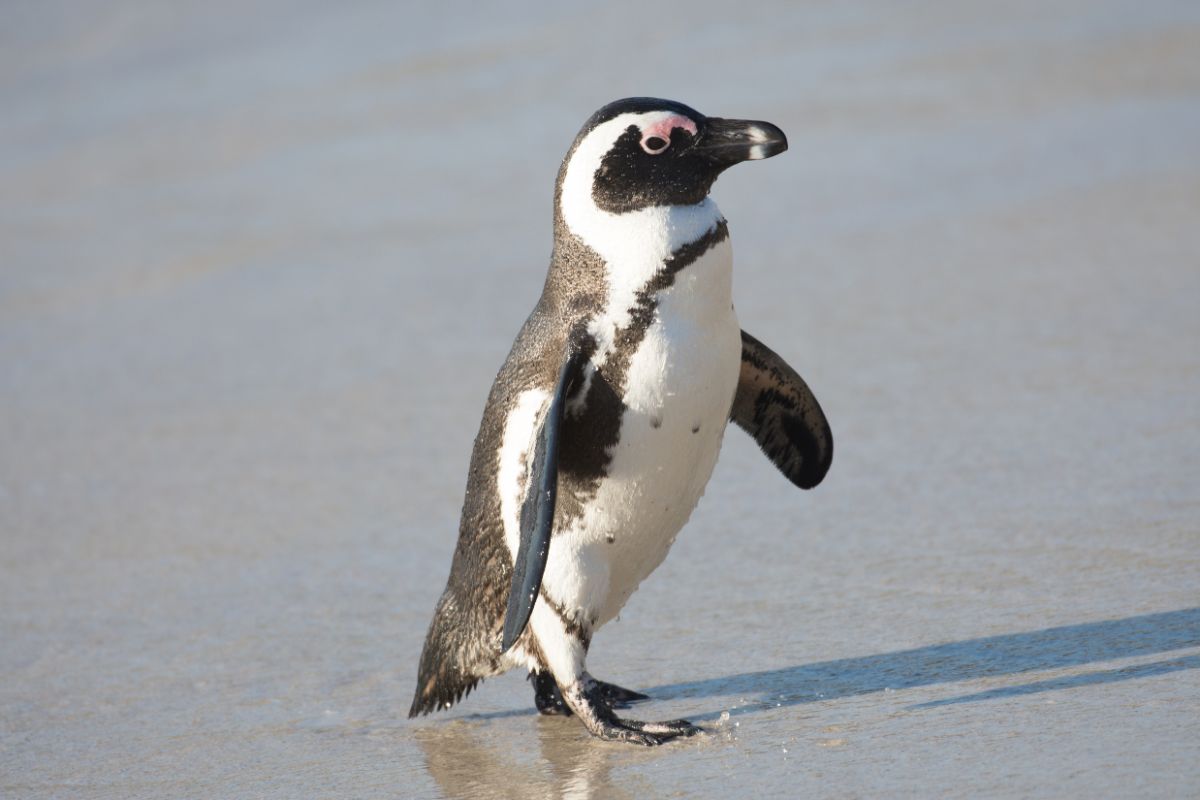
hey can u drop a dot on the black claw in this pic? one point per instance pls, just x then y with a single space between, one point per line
611 732
619 697
670 728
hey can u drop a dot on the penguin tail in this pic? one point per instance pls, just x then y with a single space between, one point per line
454 660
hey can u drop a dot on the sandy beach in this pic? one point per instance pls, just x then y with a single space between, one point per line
259 265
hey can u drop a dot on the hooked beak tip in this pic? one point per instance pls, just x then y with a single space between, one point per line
767 141
729 141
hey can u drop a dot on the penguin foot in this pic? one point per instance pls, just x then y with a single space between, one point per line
587 700
549 700
546 697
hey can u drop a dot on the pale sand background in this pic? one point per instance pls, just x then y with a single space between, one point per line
259 266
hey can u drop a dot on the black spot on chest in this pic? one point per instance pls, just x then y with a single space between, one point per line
588 434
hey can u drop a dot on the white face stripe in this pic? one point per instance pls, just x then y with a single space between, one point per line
634 245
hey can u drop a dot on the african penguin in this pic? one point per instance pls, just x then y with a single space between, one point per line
604 424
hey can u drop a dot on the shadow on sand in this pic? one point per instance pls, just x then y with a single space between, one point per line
467 759
1008 654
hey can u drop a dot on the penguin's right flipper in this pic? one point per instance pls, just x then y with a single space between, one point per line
775 406
537 512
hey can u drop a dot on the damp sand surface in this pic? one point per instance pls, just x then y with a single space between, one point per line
259 265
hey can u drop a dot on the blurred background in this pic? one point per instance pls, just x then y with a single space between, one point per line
260 262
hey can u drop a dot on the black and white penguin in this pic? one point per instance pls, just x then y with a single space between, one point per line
604 424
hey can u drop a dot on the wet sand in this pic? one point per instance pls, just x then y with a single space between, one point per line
260 266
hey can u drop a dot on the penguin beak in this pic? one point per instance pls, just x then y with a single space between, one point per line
726 142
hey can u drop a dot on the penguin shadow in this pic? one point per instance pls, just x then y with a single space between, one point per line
469 758
991 656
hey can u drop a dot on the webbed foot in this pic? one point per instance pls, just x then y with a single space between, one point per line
549 701
586 698
546 696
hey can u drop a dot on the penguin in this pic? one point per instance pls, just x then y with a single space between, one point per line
604 423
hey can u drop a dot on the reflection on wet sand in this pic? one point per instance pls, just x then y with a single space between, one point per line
468 758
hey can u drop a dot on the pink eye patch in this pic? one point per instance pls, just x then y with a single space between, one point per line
656 136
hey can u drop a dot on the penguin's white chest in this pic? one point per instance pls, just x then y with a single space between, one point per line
679 388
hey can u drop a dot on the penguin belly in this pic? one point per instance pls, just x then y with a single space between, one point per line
678 392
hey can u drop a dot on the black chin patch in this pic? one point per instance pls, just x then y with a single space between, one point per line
629 178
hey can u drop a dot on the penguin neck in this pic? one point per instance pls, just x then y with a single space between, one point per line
638 242
636 246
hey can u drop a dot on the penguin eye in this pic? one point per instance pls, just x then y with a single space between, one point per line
655 144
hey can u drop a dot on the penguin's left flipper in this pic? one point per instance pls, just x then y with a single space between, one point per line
775 406
537 512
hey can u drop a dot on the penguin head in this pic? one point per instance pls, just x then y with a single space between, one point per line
643 152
